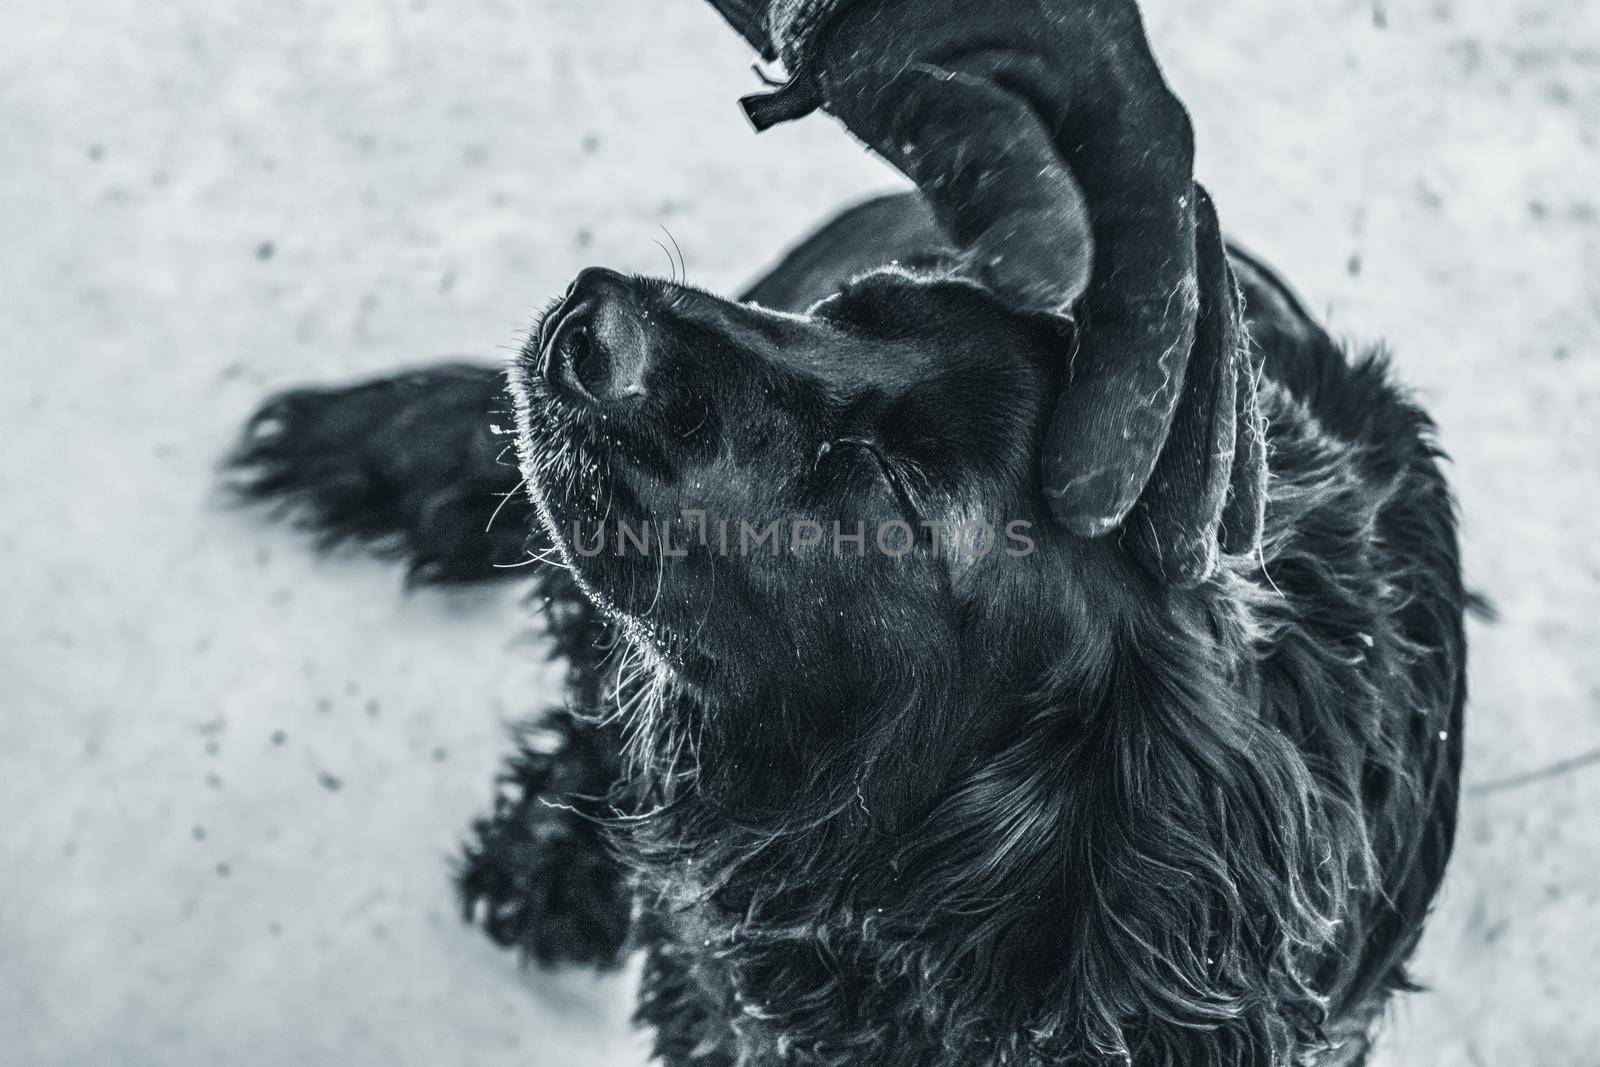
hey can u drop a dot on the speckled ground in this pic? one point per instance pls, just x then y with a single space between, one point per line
231 775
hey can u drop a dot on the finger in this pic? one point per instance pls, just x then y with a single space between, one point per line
1173 529
1244 515
1135 332
1130 144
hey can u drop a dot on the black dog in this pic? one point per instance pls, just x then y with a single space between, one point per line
910 802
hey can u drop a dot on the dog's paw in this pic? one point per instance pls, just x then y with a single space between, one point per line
537 875
409 467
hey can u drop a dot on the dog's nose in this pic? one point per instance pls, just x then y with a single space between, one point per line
596 346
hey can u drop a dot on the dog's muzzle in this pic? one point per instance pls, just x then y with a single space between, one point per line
594 347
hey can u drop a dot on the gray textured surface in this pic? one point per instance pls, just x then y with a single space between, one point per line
201 202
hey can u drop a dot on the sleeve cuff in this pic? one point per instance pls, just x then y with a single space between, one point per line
792 26
748 18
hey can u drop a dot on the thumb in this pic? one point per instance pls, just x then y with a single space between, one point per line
988 168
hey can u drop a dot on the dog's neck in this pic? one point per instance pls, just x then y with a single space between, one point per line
1098 855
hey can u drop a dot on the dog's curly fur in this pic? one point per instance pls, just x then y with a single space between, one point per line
1207 830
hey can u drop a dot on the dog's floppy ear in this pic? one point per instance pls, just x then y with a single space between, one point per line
1208 491
1160 845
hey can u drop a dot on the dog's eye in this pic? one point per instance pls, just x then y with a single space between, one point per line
891 476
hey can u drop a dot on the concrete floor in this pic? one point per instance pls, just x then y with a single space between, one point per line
232 774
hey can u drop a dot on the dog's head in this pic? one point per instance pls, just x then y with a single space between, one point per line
892 668
803 510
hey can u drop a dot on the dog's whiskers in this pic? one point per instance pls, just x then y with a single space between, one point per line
672 266
536 557
504 497
683 264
